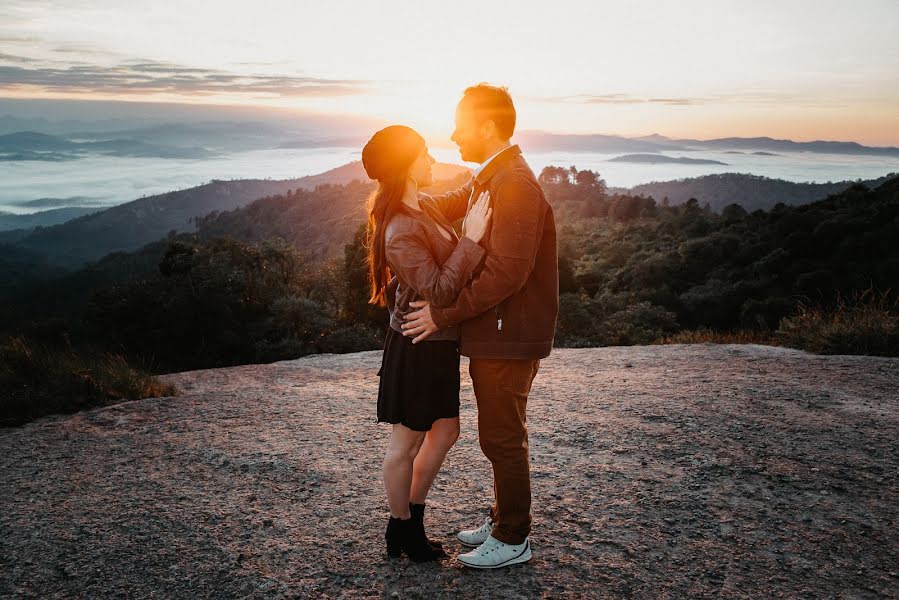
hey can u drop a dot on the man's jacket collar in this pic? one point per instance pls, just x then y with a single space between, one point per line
498 161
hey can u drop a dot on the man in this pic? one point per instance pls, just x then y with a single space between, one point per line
507 313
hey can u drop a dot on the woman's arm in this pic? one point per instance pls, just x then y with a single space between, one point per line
454 204
410 258
390 292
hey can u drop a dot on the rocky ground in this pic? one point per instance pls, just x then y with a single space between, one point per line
658 472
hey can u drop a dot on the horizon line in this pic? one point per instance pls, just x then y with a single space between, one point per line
307 112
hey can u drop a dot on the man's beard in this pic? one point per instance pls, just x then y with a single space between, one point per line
476 152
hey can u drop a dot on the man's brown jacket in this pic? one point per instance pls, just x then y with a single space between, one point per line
509 308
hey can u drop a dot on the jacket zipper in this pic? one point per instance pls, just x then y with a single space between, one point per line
499 319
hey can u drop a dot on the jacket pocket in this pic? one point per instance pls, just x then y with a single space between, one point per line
499 312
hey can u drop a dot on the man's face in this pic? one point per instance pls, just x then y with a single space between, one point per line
469 135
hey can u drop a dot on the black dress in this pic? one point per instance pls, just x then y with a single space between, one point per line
419 382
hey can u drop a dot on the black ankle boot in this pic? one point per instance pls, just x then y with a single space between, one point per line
394 537
418 517
402 535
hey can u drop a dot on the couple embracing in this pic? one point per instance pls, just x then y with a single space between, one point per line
491 294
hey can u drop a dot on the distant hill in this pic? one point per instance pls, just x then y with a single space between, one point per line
319 221
44 218
652 159
775 145
752 192
354 171
47 202
131 225
539 141
544 142
31 145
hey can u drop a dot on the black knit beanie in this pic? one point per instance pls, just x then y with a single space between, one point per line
391 151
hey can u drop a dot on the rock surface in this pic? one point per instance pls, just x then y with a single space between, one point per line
658 472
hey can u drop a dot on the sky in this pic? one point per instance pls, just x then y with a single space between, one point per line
797 69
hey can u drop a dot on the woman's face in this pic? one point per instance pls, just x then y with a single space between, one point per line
420 170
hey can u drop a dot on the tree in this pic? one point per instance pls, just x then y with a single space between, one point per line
553 176
591 181
356 308
733 213
567 280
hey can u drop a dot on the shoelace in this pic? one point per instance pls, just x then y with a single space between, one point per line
488 551
487 526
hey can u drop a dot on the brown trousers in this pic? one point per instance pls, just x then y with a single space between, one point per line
501 387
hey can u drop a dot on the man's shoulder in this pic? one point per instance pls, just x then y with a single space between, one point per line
517 175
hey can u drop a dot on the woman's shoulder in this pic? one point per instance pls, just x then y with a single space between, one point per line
401 222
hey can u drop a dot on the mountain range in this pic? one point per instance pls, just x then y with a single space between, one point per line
653 159
611 144
70 237
752 192
209 139
30 145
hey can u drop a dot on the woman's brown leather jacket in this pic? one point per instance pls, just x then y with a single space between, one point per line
426 264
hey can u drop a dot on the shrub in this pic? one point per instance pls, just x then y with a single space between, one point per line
578 321
354 338
641 323
36 380
710 336
766 313
868 323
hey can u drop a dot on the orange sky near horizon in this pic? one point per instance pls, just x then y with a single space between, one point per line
697 69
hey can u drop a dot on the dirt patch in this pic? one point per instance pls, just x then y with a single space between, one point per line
676 471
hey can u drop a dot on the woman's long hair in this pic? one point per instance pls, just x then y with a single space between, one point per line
383 203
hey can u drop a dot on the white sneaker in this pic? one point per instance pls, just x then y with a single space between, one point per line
475 537
494 554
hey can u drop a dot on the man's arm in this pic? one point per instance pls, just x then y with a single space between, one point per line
454 204
519 214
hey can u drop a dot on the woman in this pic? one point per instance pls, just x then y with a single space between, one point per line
419 388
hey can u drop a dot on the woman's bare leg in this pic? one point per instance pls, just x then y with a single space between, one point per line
402 449
437 442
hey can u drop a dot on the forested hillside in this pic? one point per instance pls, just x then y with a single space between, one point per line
752 192
286 276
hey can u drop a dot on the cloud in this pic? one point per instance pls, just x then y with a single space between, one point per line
761 96
82 50
18 39
620 99
18 59
675 101
149 77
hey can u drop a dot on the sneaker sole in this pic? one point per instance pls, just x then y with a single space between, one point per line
524 557
468 544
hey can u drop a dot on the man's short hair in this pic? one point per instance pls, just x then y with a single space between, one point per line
492 103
